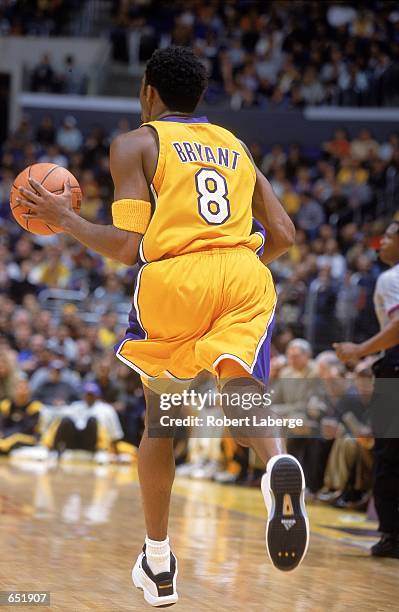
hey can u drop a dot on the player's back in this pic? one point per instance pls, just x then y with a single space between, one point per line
203 188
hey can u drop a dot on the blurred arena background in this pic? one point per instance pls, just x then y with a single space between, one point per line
313 89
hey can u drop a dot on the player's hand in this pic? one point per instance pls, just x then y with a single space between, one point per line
347 351
46 206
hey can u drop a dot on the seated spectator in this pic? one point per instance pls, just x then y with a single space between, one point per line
91 199
351 172
314 452
348 476
55 385
364 147
130 404
62 344
339 146
68 137
8 373
53 155
45 133
312 90
19 417
295 384
333 259
273 160
53 270
107 330
89 424
23 135
111 293
310 216
388 148
290 199
103 377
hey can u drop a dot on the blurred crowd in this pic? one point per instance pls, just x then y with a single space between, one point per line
338 197
35 17
62 308
273 54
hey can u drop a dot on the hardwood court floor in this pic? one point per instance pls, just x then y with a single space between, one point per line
76 530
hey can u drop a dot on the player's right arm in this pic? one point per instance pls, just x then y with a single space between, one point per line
128 157
268 210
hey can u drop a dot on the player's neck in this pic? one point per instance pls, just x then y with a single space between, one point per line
169 113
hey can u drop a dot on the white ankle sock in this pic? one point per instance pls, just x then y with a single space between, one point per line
158 555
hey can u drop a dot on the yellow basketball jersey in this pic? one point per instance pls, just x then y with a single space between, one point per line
203 187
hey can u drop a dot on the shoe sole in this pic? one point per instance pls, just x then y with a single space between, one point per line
287 527
139 577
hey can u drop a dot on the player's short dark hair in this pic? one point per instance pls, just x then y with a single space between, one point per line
178 76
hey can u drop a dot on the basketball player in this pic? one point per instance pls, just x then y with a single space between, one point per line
384 409
185 191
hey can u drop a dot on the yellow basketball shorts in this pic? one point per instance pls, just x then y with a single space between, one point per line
191 311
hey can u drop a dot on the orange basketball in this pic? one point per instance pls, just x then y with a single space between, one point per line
52 177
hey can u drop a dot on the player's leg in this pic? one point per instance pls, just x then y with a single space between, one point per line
155 570
156 468
283 484
66 435
386 496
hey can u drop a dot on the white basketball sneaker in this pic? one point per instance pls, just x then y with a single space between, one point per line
287 527
159 589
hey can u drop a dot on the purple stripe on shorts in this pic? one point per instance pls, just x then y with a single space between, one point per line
261 370
134 330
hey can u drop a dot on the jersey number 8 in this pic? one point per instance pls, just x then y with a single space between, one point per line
213 204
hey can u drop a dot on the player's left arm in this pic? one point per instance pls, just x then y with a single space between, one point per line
126 163
269 211
385 339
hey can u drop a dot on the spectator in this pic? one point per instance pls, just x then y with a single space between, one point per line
45 133
43 76
332 259
63 345
310 216
321 411
89 424
8 374
339 146
321 310
295 384
348 476
55 385
364 147
19 418
103 379
53 271
69 138
72 79
53 155
312 90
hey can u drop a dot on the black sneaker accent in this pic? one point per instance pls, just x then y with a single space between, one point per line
164 580
287 533
387 546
